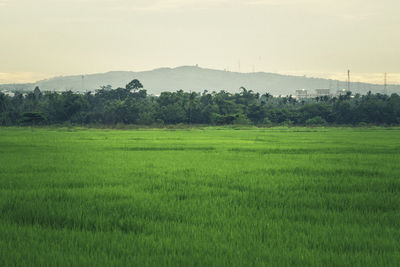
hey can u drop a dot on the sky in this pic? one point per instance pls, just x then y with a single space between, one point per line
320 38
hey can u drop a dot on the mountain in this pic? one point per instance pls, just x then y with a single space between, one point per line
193 78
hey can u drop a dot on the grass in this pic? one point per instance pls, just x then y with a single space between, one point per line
200 197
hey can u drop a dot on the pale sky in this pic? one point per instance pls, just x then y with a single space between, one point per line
323 38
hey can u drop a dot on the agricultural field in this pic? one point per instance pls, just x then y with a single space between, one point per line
200 197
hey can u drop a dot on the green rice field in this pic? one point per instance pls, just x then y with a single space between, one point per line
200 197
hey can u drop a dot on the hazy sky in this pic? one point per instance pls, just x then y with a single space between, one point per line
44 38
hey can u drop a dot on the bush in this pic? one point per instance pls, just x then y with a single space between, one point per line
241 119
287 123
32 118
267 122
145 118
318 120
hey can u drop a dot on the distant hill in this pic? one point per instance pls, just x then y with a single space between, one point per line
193 78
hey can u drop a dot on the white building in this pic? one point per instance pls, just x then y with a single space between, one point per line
341 92
322 92
300 94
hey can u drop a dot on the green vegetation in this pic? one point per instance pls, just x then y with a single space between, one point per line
210 197
132 105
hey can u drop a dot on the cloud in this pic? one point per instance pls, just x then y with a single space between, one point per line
4 2
284 2
168 5
357 16
142 5
20 77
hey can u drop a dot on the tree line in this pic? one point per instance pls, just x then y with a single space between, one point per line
133 105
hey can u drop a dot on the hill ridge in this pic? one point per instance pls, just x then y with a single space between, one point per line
195 78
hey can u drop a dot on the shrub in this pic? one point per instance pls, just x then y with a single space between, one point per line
241 119
318 120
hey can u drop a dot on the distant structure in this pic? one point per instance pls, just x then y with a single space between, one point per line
322 92
301 94
341 92
9 93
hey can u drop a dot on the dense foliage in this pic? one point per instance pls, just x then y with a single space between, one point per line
132 105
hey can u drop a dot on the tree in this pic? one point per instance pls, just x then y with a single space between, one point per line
120 105
134 85
3 105
37 92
